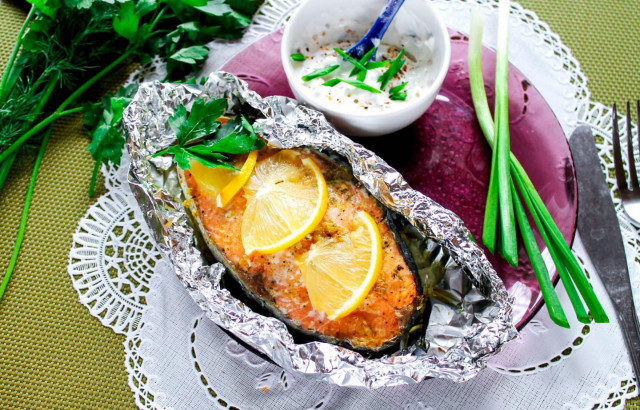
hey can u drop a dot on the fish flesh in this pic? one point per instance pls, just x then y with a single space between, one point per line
275 280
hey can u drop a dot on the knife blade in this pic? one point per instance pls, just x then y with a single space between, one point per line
600 233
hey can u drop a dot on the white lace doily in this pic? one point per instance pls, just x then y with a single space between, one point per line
176 358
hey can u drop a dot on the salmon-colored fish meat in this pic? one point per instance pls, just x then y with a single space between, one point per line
275 279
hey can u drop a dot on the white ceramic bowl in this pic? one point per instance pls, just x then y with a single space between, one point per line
416 19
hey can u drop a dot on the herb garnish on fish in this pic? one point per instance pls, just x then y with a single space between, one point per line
202 136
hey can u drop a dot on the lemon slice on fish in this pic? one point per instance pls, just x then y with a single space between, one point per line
286 199
222 182
339 272
238 181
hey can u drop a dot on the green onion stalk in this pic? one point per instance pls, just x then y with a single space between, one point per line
508 174
25 213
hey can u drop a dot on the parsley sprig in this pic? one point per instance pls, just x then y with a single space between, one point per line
103 122
201 136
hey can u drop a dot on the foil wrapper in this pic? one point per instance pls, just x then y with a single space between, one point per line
463 331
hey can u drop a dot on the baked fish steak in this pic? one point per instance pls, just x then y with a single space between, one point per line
275 280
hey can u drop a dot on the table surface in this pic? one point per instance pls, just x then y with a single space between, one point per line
54 354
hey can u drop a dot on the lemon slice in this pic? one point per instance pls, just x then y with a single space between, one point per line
238 181
339 272
286 199
222 182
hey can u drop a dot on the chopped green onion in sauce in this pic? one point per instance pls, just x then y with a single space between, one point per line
320 72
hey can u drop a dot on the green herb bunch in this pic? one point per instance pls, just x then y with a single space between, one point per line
66 46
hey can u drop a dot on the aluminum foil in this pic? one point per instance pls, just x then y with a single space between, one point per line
466 327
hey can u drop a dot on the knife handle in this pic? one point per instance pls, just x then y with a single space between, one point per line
631 331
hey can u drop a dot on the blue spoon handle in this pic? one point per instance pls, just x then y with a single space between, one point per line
377 30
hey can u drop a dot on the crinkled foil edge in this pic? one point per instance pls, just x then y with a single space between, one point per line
474 334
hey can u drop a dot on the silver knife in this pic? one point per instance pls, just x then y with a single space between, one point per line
600 232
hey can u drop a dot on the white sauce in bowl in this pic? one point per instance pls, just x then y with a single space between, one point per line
319 24
344 97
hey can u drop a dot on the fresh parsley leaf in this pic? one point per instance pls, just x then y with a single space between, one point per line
191 55
297 57
104 124
205 157
127 21
247 7
239 141
79 4
144 7
188 30
229 17
194 3
205 152
37 35
200 122
211 163
216 8
127 91
180 156
228 127
320 72
233 137
91 114
107 140
46 7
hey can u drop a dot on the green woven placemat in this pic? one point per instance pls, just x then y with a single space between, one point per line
604 36
53 353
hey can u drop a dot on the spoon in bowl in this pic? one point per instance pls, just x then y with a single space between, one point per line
373 37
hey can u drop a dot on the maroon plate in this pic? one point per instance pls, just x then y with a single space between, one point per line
443 154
